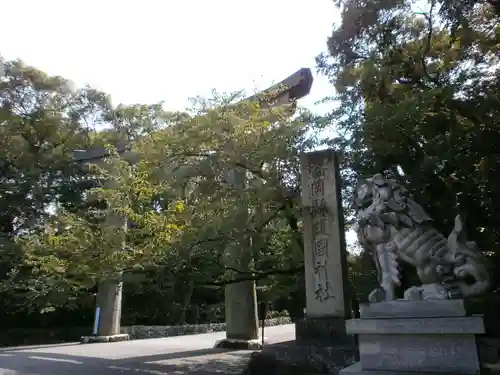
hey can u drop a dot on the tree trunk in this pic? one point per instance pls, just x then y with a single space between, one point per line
186 302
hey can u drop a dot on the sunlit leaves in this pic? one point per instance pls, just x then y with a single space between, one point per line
177 193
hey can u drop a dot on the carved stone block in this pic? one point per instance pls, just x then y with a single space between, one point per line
425 337
412 309
450 353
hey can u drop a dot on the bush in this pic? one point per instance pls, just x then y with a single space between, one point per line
42 336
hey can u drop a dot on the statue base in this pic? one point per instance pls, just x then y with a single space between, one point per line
425 337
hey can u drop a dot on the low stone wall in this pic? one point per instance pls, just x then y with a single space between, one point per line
150 332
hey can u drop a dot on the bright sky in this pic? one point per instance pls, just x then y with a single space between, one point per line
150 50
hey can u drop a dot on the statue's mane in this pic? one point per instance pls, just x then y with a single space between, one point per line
398 208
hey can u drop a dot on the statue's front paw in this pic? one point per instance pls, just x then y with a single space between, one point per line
376 295
413 294
434 291
426 292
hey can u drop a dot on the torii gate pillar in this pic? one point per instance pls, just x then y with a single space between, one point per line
242 327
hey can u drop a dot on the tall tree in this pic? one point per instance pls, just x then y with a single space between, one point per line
42 118
180 202
418 96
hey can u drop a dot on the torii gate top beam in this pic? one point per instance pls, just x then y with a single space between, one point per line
294 87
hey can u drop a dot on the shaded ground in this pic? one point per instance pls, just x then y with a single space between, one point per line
180 355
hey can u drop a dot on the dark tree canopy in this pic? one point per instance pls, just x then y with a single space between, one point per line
418 98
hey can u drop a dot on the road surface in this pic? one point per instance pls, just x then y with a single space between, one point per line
193 355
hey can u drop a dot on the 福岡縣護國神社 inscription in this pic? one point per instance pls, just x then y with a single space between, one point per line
325 260
319 211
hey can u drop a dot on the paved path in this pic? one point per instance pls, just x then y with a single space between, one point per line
193 355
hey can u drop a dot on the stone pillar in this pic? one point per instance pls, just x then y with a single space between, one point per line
109 295
109 291
241 298
325 255
242 325
109 300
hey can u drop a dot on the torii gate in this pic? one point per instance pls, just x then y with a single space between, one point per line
240 298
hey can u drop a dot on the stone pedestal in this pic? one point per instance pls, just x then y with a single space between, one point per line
323 331
424 337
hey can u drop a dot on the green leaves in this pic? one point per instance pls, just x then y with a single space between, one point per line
419 100
77 250
191 186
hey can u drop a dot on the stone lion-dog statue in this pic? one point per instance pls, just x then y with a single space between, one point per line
398 231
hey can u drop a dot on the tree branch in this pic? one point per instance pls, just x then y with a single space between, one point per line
261 275
257 172
428 44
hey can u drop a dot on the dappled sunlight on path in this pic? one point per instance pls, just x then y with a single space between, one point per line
193 355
